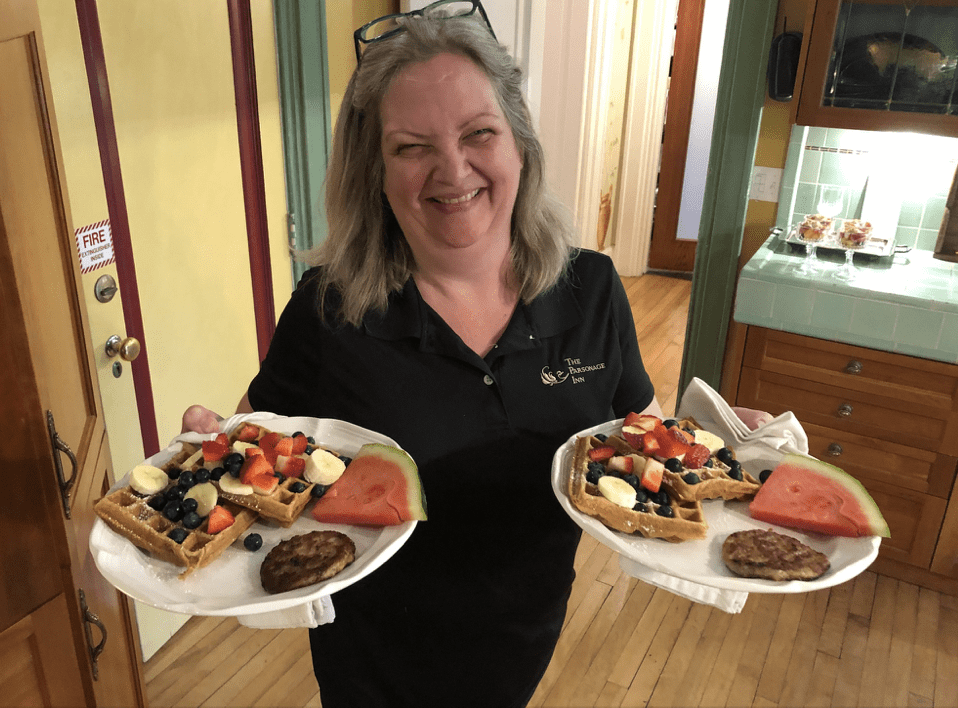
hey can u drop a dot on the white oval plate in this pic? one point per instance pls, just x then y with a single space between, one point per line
701 561
230 585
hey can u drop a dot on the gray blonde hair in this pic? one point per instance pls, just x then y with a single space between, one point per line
365 256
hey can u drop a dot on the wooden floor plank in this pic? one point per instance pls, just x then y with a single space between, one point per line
946 673
836 615
750 666
821 683
679 660
627 665
658 653
705 657
801 664
901 649
878 644
924 651
732 651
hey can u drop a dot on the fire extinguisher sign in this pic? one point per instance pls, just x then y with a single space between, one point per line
95 246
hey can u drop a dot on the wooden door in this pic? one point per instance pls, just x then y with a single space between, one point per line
46 343
667 251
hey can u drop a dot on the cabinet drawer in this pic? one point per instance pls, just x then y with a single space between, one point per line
931 385
883 461
914 520
845 410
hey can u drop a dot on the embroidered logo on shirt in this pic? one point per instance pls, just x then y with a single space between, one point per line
575 370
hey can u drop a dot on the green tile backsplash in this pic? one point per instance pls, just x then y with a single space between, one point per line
818 156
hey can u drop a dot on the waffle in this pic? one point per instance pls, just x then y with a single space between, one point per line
716 482
687 523
126 512
282 505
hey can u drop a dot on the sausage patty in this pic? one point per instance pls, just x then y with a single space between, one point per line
762 553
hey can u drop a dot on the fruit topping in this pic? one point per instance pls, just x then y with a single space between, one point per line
233 463
623 464
173 510
673 464
318 490
216 450
617 491
697 456
651 476
323 467
192 520
178 535
253 542
204 496
219 519
601 453
230 485
146 479
665 511
764 475
691 478
247 433
724 455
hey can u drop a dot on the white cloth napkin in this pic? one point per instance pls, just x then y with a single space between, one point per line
763 447
311 614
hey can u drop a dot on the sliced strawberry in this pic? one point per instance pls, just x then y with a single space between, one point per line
255 466
669 445
683 436
294 467
650 444
268 441
300 443
284 446
651 476
696 457
633 436
643 421
622 463
219 519
264 483
214 450
252 451
601 453
247 433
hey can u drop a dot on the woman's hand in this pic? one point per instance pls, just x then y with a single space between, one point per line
752 418
197 419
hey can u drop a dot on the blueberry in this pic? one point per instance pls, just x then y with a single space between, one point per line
175 493
157 502
673 464
708 463
191 519
217 474
280 476
318 490
641 495
346 460
297 487
691 478
253 542
640 507
670 422
724 455
298 433
660 497
601 437
202 475
186 480
173 472
178 535
173 510
736 474
310 439
665 511
233 463
595 471
189 505
309 449
764 475
633 480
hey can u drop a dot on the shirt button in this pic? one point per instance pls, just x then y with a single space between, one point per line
487 380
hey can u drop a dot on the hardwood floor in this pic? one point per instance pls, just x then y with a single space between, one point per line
870 642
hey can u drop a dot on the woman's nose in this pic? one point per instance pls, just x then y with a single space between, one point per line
452 165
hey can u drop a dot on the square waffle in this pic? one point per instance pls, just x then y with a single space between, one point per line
126 512
716 479
283 505
687 522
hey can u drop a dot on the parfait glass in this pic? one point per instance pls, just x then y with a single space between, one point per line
831 203
847 270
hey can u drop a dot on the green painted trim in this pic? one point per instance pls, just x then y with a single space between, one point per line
306 121
738 111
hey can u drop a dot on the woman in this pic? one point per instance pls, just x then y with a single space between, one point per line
450 312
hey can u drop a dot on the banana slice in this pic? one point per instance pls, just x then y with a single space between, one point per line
192 459
205 495
617 491
240 447
323 467
147 479
230 485
713 442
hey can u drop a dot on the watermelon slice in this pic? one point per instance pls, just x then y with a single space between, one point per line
380 487
808 494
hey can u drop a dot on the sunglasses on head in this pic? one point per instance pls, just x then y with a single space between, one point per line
390 25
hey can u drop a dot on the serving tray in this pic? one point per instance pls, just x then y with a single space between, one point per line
874 246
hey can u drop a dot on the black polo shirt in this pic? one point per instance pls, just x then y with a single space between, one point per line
468 611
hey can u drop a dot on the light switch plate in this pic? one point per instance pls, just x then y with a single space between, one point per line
765 184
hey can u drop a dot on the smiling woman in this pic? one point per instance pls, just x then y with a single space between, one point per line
447 288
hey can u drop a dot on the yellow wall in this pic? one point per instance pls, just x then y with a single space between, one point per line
170 73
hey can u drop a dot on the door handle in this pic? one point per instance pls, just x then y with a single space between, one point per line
128 349
95 651
58 447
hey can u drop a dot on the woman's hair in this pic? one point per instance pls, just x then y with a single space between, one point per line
365 256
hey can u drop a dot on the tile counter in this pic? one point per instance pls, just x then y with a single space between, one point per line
906 303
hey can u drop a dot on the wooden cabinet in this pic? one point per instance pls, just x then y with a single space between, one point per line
890 420
876 65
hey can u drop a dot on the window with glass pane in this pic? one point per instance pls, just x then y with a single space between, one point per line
894 56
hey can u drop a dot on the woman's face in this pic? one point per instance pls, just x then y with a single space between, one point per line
451 163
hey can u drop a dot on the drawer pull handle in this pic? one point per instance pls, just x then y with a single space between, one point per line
845 410
835 450
853 367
